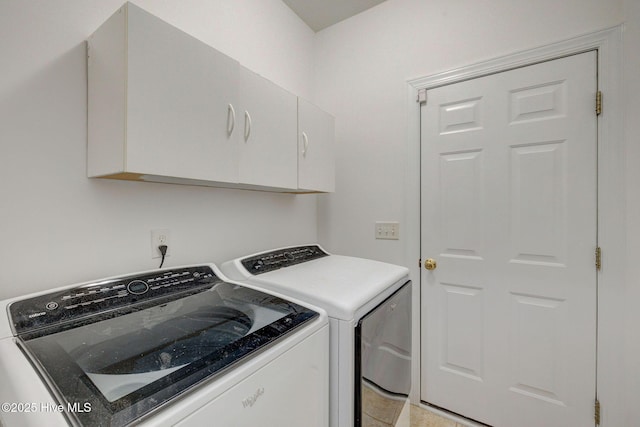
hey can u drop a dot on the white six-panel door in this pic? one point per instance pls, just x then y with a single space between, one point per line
509 215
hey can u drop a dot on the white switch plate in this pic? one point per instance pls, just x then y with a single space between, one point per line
389 230
160 237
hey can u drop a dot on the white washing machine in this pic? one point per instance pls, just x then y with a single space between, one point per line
369 308
181 346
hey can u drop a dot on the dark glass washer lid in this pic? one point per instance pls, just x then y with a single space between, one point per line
172 343
126 362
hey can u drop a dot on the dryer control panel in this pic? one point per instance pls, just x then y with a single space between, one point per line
274 260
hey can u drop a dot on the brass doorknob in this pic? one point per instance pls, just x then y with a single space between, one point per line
430 264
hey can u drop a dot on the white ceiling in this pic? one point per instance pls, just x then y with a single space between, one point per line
319 14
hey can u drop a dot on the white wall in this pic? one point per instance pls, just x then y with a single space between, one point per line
58 227
630 331
362 68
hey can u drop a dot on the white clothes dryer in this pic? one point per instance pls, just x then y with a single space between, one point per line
369 308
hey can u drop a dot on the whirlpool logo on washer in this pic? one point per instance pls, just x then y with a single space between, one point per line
251 400
42 313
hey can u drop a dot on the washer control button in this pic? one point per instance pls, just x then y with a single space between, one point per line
258 265
137 287
52 305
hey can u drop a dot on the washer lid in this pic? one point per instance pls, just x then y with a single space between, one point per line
124 360
339 284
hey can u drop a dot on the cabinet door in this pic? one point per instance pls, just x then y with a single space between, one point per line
267 146
179 97
316 161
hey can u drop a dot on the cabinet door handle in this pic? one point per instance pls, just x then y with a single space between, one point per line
305 144
231 119
247 126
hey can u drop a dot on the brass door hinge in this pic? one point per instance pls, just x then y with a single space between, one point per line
596 412
598 103
598 258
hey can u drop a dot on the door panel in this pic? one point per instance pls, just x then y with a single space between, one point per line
509 213
462 343
538 212
461 228
535 366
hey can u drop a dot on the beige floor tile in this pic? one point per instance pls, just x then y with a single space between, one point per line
369 421
423 418
380 407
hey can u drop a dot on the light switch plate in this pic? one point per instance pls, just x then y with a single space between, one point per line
387 230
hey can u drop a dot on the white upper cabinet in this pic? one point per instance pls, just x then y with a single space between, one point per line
268 149
159 102
166 107
316 152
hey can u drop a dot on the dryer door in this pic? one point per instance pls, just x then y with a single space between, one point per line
383 361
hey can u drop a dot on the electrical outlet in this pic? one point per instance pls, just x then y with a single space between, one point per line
388 230
160 237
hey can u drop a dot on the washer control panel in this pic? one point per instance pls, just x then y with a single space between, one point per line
98 297
274 260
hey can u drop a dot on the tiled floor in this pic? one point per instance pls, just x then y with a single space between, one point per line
423 418
380 410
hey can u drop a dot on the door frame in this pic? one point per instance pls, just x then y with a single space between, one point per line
611 198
